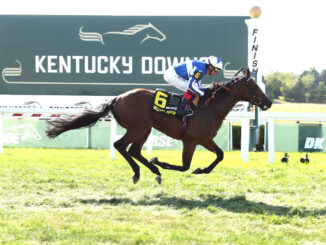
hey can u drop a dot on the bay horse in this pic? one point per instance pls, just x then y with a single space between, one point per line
133 111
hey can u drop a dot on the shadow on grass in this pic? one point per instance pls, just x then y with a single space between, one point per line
236 204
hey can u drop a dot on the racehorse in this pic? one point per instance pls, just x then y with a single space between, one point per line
132 110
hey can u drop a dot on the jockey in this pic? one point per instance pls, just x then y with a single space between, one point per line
187 77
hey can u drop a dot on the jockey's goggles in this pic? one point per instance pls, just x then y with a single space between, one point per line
216 69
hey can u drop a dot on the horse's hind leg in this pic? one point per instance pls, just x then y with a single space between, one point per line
135 151
121 145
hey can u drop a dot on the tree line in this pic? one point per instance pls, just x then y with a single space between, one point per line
309 86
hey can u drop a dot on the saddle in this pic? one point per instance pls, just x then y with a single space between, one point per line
168 103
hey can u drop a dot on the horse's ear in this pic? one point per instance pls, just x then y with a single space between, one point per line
248 72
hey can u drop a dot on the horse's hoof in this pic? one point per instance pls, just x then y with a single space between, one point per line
158 179
153 160
135 179
196 171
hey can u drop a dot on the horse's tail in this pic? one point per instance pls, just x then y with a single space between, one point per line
87 118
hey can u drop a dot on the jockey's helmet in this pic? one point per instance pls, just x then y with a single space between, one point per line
216 62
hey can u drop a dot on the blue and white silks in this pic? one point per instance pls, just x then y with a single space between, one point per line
187 75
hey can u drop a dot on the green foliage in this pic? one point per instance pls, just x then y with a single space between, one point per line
321 92
306 87
310 78
51 196
261 138
280 84
323 76
307 80
273 88
236 137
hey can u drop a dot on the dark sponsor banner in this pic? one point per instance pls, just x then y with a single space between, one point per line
306 137
311 137
108 55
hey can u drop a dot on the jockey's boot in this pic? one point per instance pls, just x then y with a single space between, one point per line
182 111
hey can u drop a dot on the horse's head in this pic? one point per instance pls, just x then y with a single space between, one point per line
252 93
151 32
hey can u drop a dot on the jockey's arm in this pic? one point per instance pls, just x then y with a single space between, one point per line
195 82
207 91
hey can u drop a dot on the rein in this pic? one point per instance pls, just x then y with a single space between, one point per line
217 87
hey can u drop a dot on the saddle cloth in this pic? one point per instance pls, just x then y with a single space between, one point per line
168 103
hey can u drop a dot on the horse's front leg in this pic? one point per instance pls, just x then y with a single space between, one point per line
211 146
187 154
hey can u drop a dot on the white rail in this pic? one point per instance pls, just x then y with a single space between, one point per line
243 117
270 117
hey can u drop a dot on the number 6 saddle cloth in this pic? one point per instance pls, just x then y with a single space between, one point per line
168 103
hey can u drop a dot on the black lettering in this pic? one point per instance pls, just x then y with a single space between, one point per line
254 47
254 31
255 63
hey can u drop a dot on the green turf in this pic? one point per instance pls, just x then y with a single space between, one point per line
53 196
282 106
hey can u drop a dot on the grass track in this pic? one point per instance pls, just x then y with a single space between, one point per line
51 196
283 106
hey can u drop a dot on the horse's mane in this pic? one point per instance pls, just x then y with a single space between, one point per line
214 86
232 81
